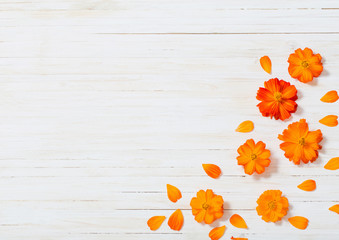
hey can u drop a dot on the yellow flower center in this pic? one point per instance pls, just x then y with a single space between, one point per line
253 156
205 206
272 205
278 96
302 141
304 64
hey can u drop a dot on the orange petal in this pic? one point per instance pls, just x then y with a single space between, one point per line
246 126
173 193
155 222
335 208
212 170
238 221
332 164
299 222
308 185
239 238
330 97
176 220
217 233
330 120
266 64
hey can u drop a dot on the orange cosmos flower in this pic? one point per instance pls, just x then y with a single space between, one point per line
277 99
254 157
304 65
300 143
272 206
207 206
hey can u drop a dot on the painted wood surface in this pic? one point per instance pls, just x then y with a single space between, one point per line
105 102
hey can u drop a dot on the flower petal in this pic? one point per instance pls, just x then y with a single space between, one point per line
330 120
266 64
299 222
176 220
335 208
332 164
212 170
173 193
239 238
330 97
308 185
155 222
238 221
217 233
246 126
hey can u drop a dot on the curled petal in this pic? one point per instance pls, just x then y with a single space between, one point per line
332 164
173 193
217 233
212 170
335 208
155 222
266 64
308 185
245 127
330 120
176 220
238 221
330 97
299 222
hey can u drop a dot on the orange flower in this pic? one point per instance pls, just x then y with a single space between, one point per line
304 65
272 206
299 222
254 157
155 222
300 143
277 99
207 206
176 220
173 193
266 64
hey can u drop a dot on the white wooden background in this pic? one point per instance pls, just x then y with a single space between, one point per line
104 102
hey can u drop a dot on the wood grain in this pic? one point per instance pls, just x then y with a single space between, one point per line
105 102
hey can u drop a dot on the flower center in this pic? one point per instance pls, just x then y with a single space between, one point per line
302 141
304 64
272 205
253 156
205 206
278 96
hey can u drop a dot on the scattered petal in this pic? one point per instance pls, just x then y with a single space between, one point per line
330 120
239 238
176 220
245 127
238 221
266 64
217 233
332 164
173 193
330 97
299 222
212 170
308 185
335 208
155 222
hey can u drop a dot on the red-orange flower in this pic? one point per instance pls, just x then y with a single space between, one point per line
304 65
253 156
300 143
207 206
272 206
277 99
